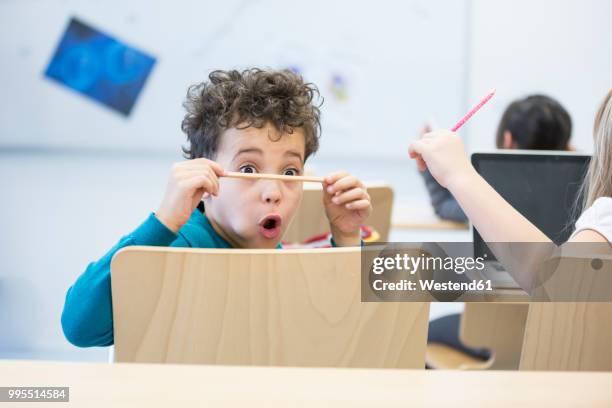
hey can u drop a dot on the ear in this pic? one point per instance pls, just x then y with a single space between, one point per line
508 142
570 147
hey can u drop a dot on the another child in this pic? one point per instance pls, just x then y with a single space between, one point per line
537 122
443 154
252 121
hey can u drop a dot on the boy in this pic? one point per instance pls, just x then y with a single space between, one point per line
250 121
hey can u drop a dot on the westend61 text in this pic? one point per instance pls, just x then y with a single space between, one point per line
431 285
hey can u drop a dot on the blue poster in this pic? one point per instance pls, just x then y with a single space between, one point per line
100 66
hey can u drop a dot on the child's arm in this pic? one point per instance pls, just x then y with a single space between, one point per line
443 154
87 318
347 206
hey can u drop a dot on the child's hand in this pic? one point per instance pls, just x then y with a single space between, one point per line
443 154
188 182
425 129
347 205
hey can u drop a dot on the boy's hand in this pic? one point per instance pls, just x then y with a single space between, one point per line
443 154
347 206
188 182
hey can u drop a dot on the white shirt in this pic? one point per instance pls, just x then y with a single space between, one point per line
597 217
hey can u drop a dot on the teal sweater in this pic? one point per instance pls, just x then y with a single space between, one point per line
87 318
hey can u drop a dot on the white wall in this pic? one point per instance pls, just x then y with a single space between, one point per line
60 212
560 48
388 52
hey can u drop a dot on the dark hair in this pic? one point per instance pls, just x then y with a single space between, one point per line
536 122
252 97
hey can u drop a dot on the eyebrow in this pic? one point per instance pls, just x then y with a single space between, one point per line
290 153
294 153
248 150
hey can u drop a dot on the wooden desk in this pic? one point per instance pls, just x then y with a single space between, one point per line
421 218
153 385
429 225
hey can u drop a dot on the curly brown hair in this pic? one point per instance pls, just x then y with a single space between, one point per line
252 97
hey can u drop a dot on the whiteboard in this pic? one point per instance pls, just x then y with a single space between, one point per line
398 64
562 57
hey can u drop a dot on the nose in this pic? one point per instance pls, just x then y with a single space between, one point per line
271 191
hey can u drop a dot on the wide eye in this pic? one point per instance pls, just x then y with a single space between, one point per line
248 169
291 172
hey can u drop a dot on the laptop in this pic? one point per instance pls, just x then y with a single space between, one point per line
542 185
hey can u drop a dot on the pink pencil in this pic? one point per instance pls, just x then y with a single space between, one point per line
473 111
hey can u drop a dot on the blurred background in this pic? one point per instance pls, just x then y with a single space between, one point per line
91 109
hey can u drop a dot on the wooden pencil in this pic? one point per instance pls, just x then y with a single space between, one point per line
234 174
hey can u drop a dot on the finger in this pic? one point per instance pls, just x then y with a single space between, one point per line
333 177
213 177
204 170
414 154
425 129
348 196
358 205
428 135
433 136
217 168
421 165
196 166
417 147
198 182
438 133
346 183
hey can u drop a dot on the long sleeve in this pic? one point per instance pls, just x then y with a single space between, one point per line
87 318
443 202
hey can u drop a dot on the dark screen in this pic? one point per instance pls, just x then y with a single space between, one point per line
543 188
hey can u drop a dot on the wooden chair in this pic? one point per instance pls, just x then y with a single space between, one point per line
258 307
310 218
539 335
571 335
498 327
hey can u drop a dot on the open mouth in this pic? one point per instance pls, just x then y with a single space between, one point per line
270 226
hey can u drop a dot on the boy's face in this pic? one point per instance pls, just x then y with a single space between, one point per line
255 213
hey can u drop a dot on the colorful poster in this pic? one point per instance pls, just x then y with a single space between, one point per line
100 66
